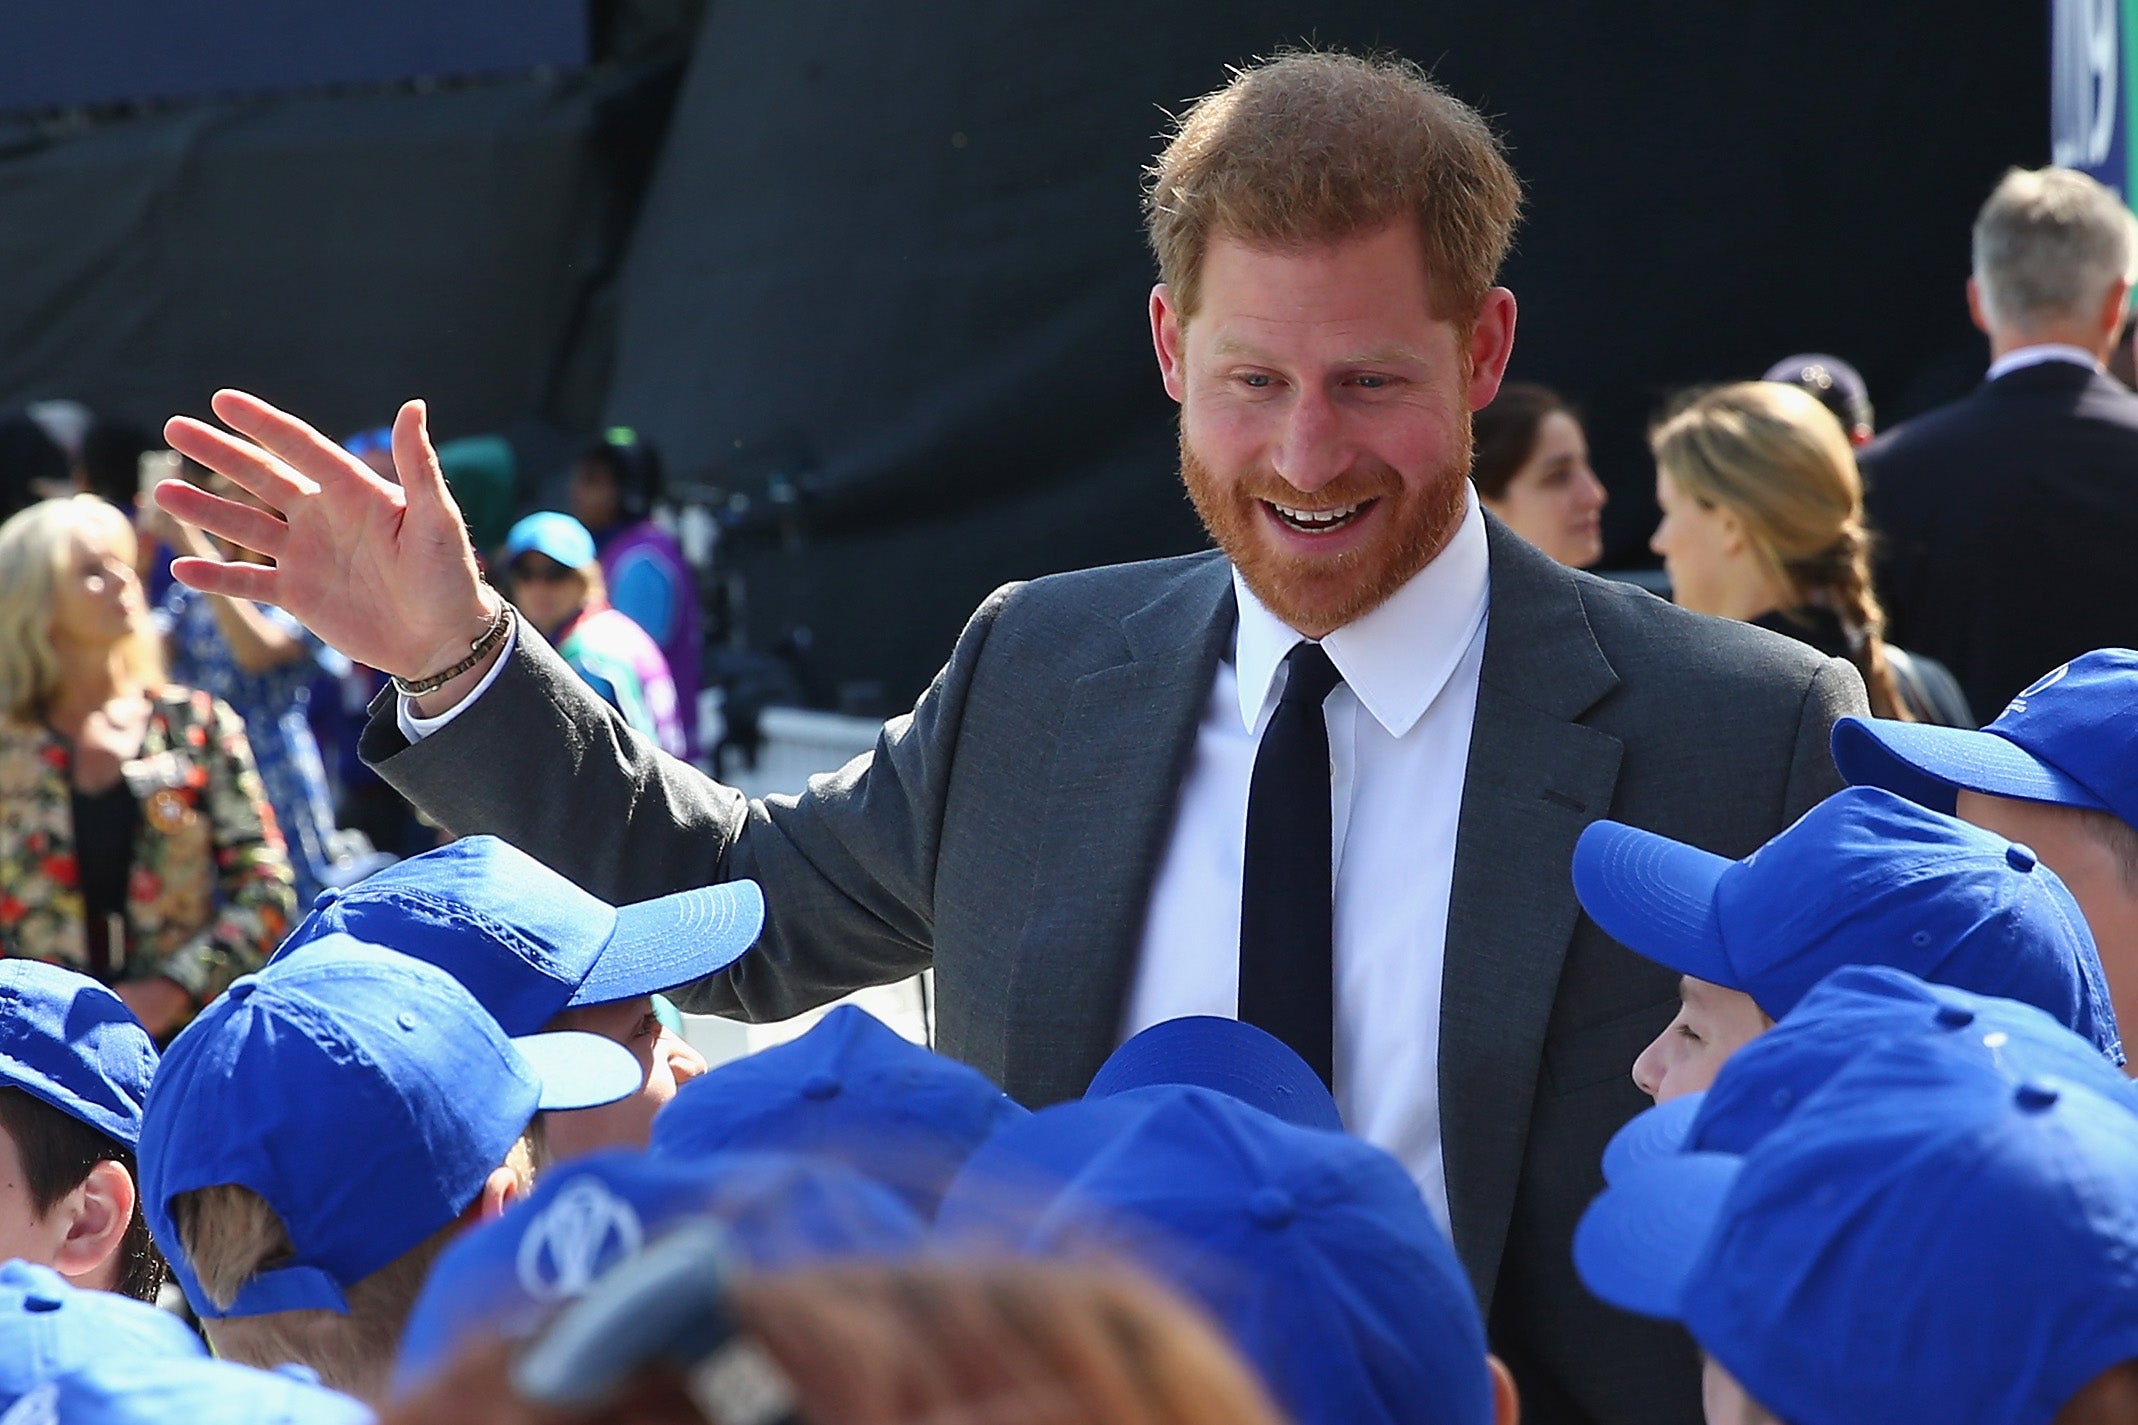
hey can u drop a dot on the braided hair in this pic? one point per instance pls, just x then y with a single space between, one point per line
1777 458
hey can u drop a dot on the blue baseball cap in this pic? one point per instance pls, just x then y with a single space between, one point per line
366 1097
1852 1011
49 1327
1313 1249
1228 1055
67 1040
852 1090
1863 878
2069 738
558 536
527 942
1931 1237
505 1278
127 1391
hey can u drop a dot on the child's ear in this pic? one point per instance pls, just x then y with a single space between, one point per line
1506 1402
500 1190
96 1214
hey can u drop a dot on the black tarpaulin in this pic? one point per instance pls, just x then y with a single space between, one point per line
893 255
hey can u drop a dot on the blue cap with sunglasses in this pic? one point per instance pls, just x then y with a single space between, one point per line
366 1097
527 942
504 1279
1933 1235
1863 878
555 536
2068 739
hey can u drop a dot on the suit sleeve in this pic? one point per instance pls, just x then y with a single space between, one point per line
1835 692
847 867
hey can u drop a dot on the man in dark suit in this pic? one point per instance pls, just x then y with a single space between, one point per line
2009 517
1329 779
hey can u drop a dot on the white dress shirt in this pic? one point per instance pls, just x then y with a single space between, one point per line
2024 356
1399 745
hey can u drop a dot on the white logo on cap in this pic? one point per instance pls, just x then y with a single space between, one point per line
583 1231
39 1407
2040 685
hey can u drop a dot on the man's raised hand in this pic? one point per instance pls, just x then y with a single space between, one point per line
382 572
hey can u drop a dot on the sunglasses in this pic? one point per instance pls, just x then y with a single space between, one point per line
547 571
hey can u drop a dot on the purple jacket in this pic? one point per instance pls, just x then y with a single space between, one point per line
649 581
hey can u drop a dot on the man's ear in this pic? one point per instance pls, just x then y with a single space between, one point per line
500 1190
96 1214
1491 345
1978 313
1506 1401
1169 338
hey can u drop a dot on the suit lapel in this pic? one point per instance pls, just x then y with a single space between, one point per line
1119 754
1535 778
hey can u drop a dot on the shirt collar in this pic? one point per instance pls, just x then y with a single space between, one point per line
1395 658
2047 351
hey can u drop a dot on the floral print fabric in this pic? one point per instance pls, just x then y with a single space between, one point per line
210 893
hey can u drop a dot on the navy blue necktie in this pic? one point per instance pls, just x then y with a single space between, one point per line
1287 955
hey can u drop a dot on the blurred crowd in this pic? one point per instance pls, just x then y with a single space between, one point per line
312 1111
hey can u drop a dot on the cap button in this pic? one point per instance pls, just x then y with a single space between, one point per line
243 988
1270 1208
818 1088
1954 1016
2019 857
2035 1097
41 1301
326 898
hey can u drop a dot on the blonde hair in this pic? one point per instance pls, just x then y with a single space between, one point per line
229 1234
1310 148
1776 458
34 553
930 1343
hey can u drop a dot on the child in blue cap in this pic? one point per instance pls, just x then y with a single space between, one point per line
2057 770
1933 1233
1864 878
321 1132
75 1066
541 954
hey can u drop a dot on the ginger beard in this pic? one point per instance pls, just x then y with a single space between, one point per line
1319 594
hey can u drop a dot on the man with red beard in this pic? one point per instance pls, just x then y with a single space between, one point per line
1328 779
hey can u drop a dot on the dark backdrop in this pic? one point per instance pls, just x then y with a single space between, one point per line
887 285
894 262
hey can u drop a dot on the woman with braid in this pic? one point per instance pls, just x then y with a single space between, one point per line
1763 522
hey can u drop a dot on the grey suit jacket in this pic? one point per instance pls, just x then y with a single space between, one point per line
1008 829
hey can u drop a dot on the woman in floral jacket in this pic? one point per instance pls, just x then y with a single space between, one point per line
136 842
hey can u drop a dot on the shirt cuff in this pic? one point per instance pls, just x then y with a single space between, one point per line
415 728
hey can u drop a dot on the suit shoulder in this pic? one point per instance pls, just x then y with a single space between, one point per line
1645 637
1110 593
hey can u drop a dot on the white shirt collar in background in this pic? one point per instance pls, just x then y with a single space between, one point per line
2026 356
1396 658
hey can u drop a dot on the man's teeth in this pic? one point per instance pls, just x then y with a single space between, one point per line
1317 519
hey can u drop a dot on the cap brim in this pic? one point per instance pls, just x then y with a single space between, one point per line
1931 765
1227 1056
1641 1239
580 1070
1659 1133
660 944
1655 896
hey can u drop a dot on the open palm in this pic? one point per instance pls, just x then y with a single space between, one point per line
382 572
